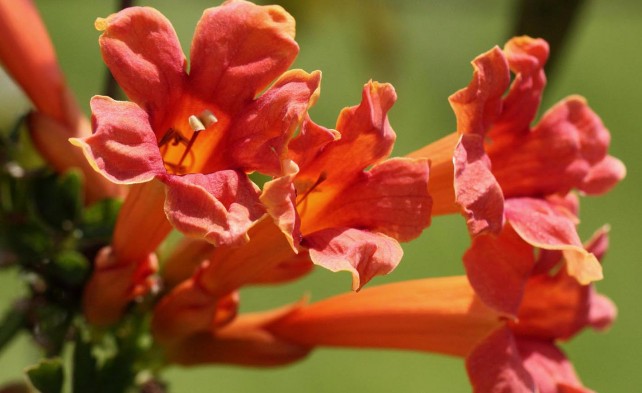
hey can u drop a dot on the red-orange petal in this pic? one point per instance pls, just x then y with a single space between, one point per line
140 47
238 49
219 207
526 58
498 267
391 198
362 253
366 138
476 190
310 142
557 155
495 365
544 226
258 139
477 105
549 367
123 147
279 199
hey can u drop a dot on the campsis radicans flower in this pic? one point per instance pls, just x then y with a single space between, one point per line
500 171
516 353
341 217
27 54
187 139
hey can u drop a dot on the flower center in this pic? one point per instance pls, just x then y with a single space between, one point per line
177 144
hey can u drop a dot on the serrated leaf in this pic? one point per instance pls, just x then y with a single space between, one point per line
47 376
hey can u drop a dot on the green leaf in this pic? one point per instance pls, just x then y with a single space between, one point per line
58 199
11 324
47 376
99 219
70 267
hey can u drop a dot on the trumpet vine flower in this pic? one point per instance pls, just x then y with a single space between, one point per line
341 217
439 315
188 139
499 169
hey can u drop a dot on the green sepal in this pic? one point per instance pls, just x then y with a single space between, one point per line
47 376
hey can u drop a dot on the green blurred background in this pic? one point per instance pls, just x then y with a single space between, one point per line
424 48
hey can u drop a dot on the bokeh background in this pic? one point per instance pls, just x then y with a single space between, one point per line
424 49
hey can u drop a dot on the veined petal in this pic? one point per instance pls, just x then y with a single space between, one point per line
495 365
123 147
310 142
237 50
366 138
477 105
526 58
476 190
498 267
258 139
219 207
549 367
279 199
391 198
362 253
140 47
290 269
557 155
603 176
543 226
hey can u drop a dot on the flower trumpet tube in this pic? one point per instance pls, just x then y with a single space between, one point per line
26 52
444 315
498 169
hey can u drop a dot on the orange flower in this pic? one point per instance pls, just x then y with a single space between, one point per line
188 140
348 218
498 170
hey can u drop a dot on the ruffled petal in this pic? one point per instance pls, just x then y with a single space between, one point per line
543 226
258 139
238 49
364 254
310 142
391 198
477 105
476 189
279 199
557 155
366 138
140 47
123 147
498 268
219 207
549 367
526 58
603 176
495 365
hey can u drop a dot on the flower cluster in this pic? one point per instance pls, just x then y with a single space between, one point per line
184 153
